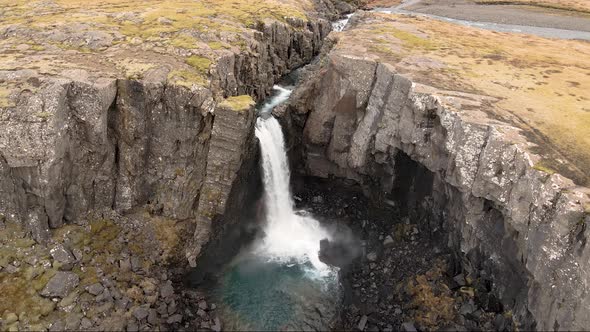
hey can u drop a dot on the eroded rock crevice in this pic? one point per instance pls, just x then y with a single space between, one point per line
360 120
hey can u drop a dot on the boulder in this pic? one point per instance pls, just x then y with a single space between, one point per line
61 284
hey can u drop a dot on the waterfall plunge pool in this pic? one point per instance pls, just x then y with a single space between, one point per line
278 282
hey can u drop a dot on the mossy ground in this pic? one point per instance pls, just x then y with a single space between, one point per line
541 85
20 288
103 243
238 103
126 38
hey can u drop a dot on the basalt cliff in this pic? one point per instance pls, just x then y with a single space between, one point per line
448 161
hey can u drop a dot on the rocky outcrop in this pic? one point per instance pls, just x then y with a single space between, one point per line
232 146
80 146
525 228
277 49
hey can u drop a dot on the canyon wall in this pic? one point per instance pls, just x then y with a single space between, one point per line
83 143
445 161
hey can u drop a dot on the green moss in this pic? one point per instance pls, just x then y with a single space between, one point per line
43 115
186 78
201 64
42 280
103 231
543 168
184 41
216 45
238 103
384 50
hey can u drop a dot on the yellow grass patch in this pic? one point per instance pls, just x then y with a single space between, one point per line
92 35
238 103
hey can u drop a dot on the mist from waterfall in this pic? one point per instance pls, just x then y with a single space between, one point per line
289 236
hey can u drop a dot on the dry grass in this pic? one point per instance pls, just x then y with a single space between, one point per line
382 3
571 5
542 84
150 32
431 303
238 103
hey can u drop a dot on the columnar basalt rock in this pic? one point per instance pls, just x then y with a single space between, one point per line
523 226
162 134
278 50
231 147
58 159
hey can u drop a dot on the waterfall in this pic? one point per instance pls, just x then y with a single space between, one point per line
341 24
289 237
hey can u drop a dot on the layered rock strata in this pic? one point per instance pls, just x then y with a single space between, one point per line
361 120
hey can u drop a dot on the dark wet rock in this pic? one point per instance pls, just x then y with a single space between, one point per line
408 327
339 252
61 284
216 325
86 323
202 313
172 307
388 241
136 264
104 296
318 199
132 326
362 323
153 319
500 322
140 313
372 256
162 309
167 291
78 255
95 289
467 308
460 280
58 325
61 254
174 319
122 303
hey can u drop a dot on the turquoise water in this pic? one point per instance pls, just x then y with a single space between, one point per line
255 294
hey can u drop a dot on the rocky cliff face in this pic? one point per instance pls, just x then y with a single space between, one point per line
81 143
451 166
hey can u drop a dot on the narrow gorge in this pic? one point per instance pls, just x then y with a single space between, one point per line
325 168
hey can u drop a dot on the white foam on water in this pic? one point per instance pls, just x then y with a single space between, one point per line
282 96
288 237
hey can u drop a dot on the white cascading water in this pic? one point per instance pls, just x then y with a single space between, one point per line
341 24
289 237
